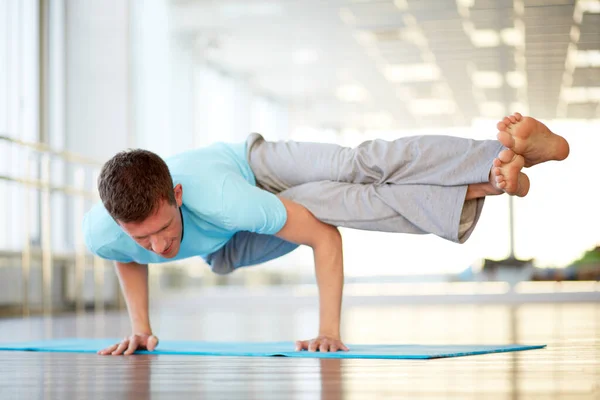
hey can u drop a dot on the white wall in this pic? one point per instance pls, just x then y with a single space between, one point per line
227 109
182 95
98 86
151 76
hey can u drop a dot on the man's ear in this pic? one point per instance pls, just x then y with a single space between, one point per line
178 189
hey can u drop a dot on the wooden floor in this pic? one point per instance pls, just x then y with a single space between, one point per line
568 369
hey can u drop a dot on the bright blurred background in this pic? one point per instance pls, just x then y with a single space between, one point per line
82 80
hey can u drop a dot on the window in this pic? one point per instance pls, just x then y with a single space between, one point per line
18 110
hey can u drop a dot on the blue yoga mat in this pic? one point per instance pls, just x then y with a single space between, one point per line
257 349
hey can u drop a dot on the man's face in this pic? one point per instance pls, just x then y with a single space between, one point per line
160 232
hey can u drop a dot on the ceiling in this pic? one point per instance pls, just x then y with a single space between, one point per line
406 64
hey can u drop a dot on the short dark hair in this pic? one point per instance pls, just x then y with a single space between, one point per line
132 184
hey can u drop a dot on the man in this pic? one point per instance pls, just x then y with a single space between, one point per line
244 204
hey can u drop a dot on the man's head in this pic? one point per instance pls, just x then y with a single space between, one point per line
137 190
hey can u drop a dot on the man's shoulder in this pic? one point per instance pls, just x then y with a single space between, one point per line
209 153
102 234
204 172
211 163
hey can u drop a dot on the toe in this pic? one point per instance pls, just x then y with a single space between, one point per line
497 164
506 139
501 126
518 116
496 172
513 119
506 120
506 155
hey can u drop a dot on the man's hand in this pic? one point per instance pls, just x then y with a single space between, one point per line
323 344
134 284
130 344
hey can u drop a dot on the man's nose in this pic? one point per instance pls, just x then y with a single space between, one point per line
159 245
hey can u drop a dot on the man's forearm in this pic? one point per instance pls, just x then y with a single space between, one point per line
329 267
134 283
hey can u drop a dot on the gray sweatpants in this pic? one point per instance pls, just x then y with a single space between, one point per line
410 185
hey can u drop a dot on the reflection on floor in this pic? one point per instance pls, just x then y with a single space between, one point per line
568 368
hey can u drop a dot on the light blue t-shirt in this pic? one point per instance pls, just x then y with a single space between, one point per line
220 198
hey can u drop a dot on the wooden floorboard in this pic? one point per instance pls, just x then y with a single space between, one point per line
569 368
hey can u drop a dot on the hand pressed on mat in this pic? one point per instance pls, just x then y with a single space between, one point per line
134 281
323 344
132 343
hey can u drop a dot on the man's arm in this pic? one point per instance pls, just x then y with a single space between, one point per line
302 227
134 284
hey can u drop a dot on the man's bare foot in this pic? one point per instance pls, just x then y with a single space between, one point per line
533 140
506 173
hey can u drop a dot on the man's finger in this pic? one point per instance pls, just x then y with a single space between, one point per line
133 345
343 347
324 347
333 348
108 350
301 345
152 343
121 348
313 345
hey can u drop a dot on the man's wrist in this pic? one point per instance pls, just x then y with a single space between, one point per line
330 333
141 329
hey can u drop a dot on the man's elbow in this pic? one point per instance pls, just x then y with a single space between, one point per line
329 236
